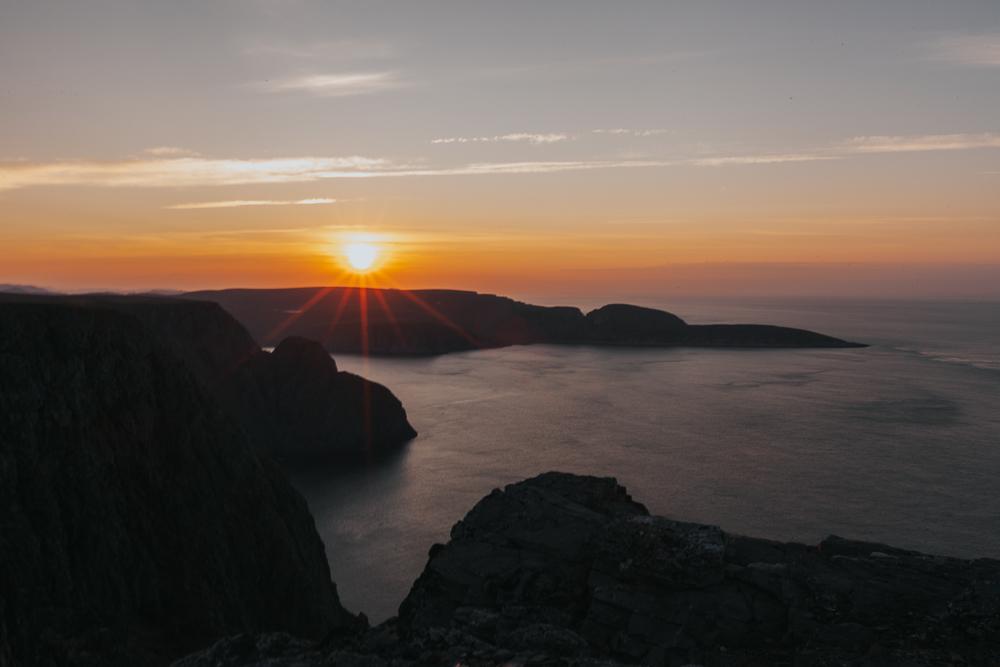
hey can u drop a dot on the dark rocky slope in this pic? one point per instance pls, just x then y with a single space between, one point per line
136 522
419 322
562 569
292 403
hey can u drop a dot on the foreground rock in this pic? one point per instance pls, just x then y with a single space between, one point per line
292 403
562 569
422 322
136 522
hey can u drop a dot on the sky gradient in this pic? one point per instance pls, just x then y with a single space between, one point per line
529 148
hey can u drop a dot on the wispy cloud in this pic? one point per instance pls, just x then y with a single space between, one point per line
624 131
188 171
981 50
202 172
547 137
548 167
527 137
236 203
926 142
333 85
760 159
168 171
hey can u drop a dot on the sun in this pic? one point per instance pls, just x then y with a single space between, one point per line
361 256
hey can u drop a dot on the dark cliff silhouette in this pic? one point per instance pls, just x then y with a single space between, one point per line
427 322
293 403
137 522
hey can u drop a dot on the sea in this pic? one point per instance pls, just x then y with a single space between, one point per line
897 443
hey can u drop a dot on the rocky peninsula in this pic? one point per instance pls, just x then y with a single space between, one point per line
429 322
137 522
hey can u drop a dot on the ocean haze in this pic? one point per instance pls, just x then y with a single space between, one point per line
894 443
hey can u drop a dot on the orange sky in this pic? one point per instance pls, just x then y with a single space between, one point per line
852 152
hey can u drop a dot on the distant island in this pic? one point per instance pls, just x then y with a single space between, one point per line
429 322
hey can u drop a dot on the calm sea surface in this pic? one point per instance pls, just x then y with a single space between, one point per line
899 442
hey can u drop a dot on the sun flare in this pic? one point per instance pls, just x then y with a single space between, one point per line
361 256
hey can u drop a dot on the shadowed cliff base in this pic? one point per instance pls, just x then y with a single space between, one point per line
569 570
428 322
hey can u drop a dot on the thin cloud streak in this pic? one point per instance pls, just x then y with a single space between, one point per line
760 159
547 138
198 171
624 131
527 137
547 167
237 203
186 172
334 85
929 142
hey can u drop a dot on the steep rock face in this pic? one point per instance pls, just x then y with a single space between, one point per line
292 404
202 334
303 409
426 322
136 522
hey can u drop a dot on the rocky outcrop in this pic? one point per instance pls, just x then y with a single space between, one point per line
292 403
562 569
303 409
421 322
136 522
571 566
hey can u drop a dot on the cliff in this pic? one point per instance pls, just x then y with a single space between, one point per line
302 408
569 570
136 521
421 322
292 403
